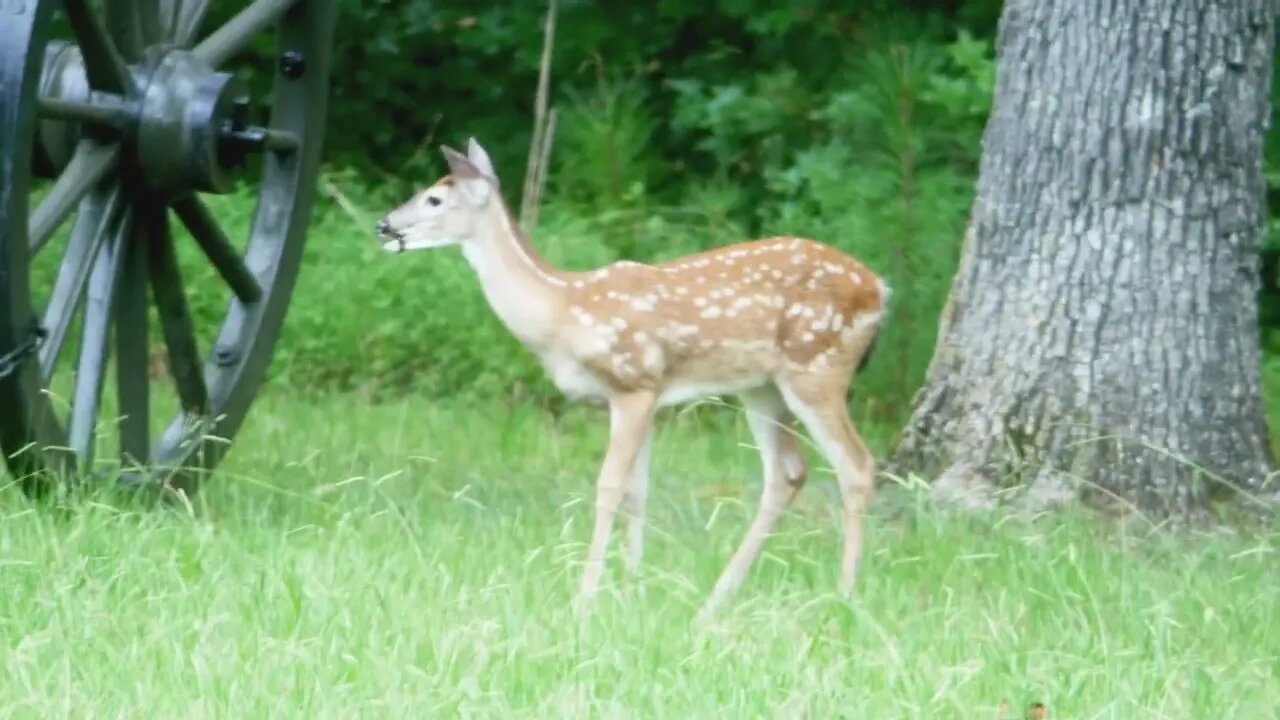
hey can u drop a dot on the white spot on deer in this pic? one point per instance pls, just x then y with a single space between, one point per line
582 315
651 358
619 323
711 312
700 301
640 337
822 361
622 365
859 323
808 337
739 305
837 321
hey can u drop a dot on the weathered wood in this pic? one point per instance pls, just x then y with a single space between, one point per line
1102 326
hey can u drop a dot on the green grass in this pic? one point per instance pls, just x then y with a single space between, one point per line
407 560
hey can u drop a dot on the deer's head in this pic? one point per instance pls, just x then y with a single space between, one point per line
447 212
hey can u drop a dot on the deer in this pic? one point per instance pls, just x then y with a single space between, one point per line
782 323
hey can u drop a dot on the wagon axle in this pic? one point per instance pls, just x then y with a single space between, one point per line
184 126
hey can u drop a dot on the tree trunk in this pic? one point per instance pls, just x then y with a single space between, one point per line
1102 326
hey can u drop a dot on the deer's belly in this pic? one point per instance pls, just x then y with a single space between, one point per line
678 392
575 381
720 371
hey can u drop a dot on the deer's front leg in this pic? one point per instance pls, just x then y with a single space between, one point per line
630 417
637 495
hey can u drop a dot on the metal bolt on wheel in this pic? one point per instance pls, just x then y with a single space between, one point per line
131 122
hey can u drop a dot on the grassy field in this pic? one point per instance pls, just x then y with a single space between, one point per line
409 561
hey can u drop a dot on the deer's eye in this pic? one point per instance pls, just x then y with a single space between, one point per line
433 200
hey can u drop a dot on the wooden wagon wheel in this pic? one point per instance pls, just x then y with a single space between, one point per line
130 118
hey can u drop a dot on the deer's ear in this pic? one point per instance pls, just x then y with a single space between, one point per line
480 159
459 166
467 177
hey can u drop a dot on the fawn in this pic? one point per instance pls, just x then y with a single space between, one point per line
783 323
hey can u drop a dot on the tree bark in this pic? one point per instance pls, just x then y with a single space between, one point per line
1102 326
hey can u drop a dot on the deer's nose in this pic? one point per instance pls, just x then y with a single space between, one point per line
383 227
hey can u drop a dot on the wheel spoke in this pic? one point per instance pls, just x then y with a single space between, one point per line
223 43
132 366
103 282
90 163
103 110
153 31
124 23
103 63
175 318
183 18
98 212
204 228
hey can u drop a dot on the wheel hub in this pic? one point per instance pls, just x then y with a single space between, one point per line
185 127
187 113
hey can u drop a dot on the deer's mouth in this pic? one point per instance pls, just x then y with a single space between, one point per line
394 239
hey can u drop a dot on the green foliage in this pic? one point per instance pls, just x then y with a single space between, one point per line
680 126
906 116
605 139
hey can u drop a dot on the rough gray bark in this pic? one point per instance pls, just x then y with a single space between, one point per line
1102 326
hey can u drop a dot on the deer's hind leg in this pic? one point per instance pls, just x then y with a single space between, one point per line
818 399
784 474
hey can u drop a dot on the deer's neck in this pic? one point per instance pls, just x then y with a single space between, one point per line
525 291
